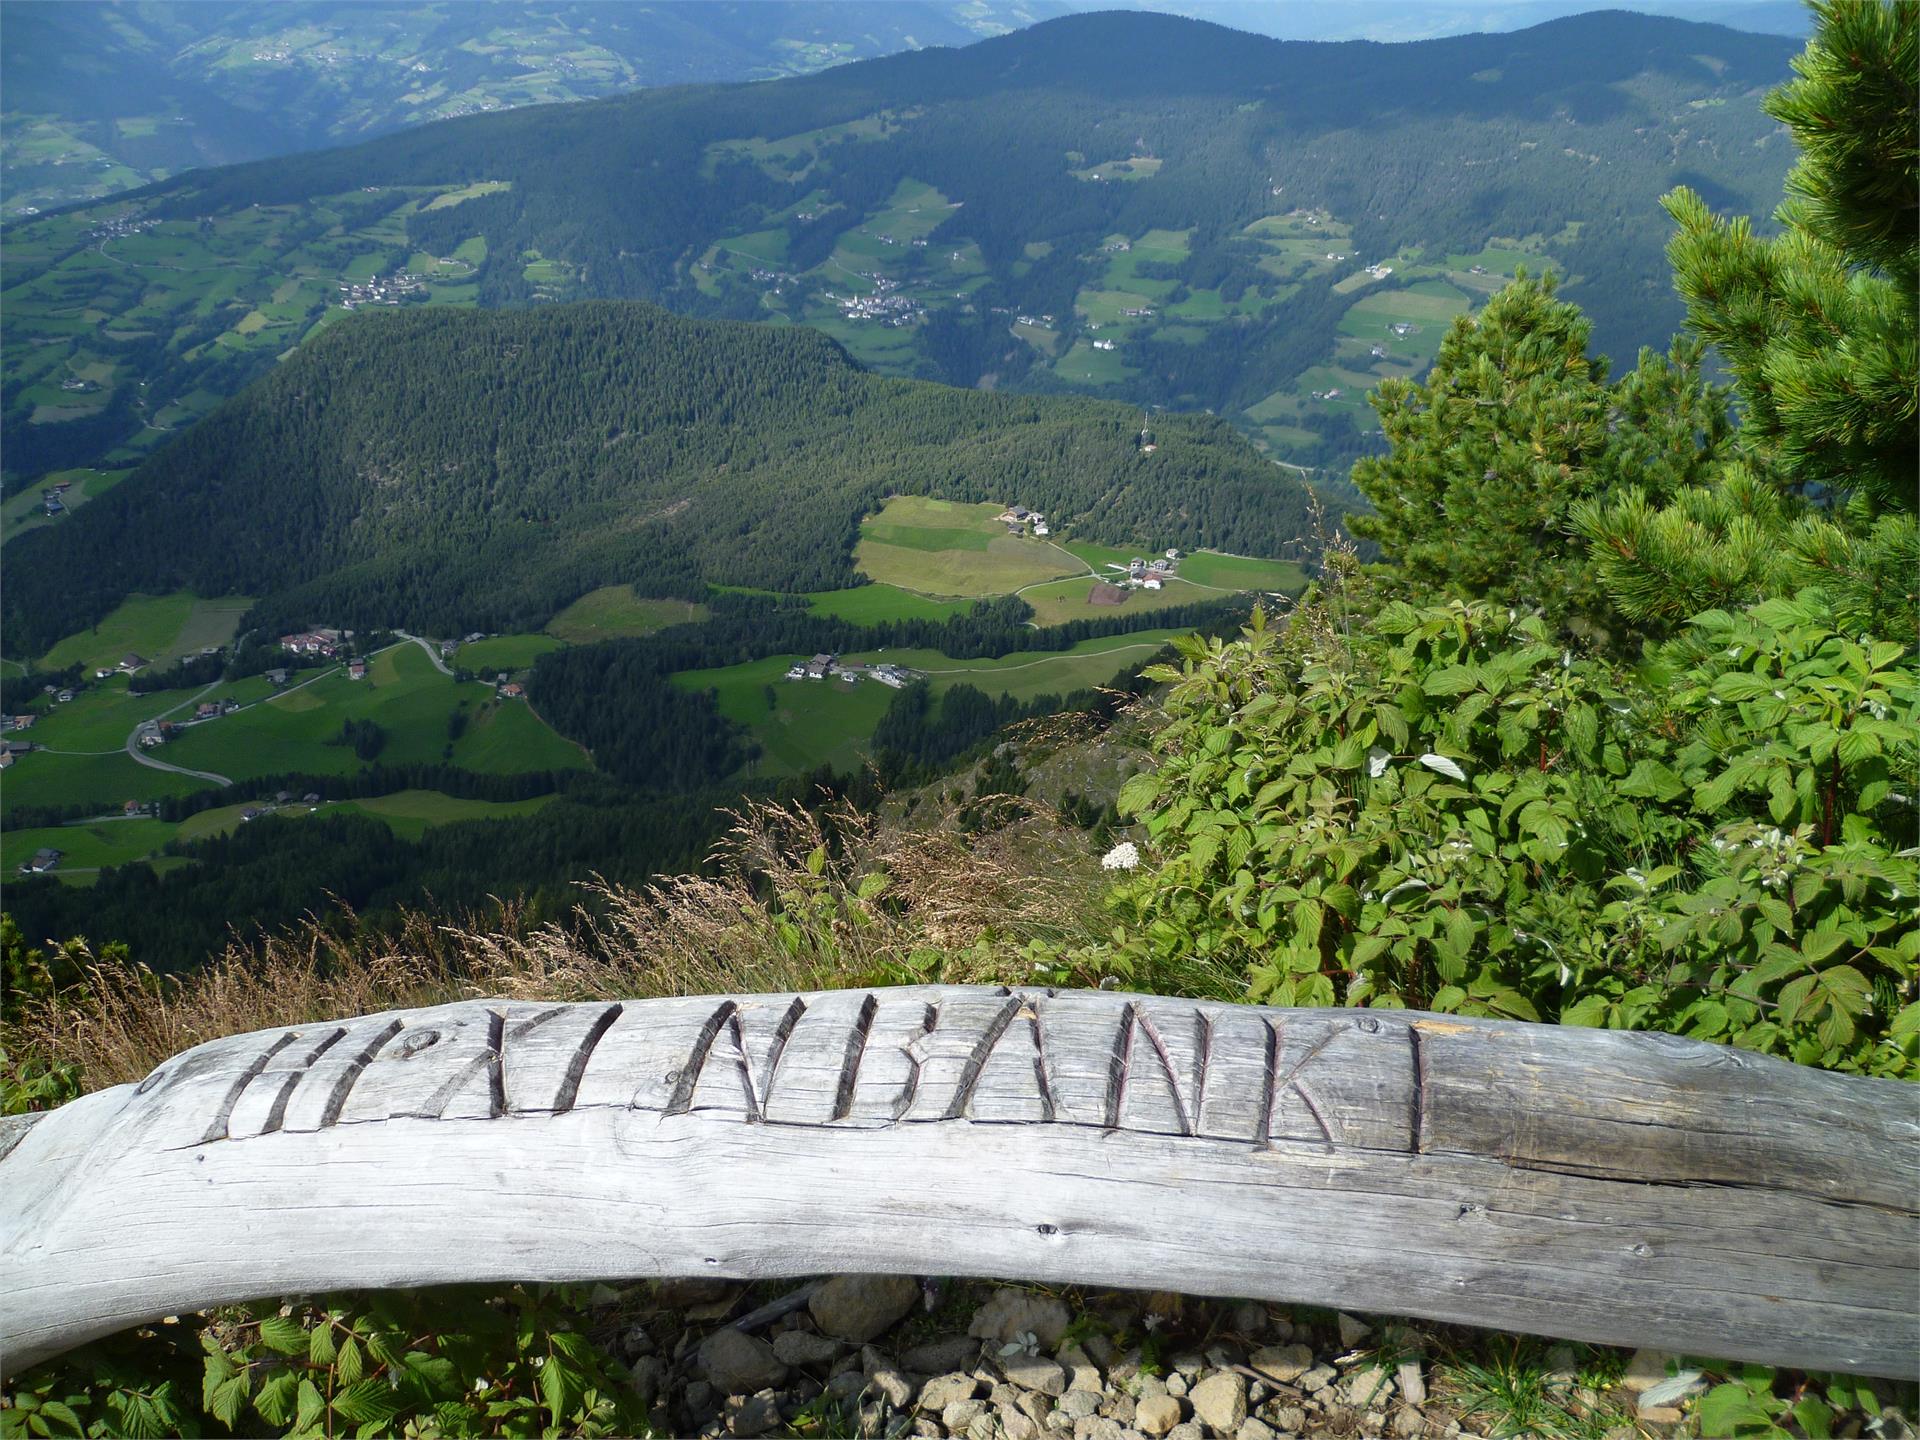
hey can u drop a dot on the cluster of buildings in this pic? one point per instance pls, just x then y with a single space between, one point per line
322 641
1333 394
1017 519
1104 345
53 499
824 667
1137 313
1038 322
375 291
1379 271
885 304
1139 574
129 664
120 228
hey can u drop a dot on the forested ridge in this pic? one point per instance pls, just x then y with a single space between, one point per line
1565 133
453 470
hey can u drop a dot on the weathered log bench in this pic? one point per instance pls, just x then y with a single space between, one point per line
1626 1188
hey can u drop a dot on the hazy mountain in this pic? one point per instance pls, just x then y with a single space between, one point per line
102 97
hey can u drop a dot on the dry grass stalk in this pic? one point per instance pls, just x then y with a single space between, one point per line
793 901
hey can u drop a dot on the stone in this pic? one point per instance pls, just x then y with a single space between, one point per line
680 1292
1290 1418
1659 1414
1009 1312
752 1414
698 1396
1078 1404
846 1385
984 1426
1002 1394
738 1364
1282 1363
1318 1378
859 1307
940 1357
1147 1387
1177 1385
1368 1387
1255 1429
648 1378
1413 1384
1187 1431
1035 1372
1017 1426
1156 1415
1220 1402
929 1429
957 1415
1352 1331
1224 1356
1646 1369
1408 1423
1248 1317
944 1390
803 1347
1035 1407
1082 1372
1120 1408
1189 1364
893 1387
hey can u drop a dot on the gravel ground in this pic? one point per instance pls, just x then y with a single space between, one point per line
888 1356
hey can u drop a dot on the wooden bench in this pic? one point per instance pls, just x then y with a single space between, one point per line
1631 1189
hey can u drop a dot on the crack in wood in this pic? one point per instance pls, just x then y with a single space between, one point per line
903 1102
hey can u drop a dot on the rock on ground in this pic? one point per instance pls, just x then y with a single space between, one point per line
1220 1401
1009 1313
856 1308
738 1364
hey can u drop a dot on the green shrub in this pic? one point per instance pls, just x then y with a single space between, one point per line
1445 810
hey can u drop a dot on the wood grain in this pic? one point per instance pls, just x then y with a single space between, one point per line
1621 1188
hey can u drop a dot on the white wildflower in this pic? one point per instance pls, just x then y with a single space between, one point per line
1377 760
1124 856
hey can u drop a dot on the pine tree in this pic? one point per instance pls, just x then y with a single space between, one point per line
1512 428
1817 326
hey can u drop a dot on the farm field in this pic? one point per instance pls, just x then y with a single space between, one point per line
94 845
804 724
876 604
225 296
947 548
504 652
160 627
614 611
108 781
1066 600
403 694
411 813
24 512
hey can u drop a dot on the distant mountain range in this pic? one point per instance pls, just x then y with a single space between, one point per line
100 98
1126 204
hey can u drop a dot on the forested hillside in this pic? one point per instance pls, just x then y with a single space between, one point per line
1128 204
103 98
454 470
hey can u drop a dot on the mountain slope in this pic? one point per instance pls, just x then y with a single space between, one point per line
449 470
1181 213
103 98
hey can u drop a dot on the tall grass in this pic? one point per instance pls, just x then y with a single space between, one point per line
791 900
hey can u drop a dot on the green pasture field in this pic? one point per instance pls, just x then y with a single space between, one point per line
159 627
1138 167
877 604
411 813
943 547
504 652
23 512
614 611
406 696
100 717
1022 675
811 722
1066 600
1085 365
1242 572
269 275
95 845
41 778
